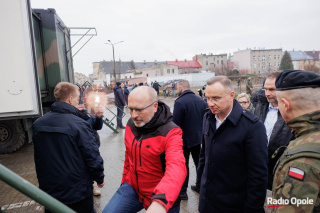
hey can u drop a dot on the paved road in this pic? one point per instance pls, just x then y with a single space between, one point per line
112 150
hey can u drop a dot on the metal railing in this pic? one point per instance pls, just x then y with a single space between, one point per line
33 192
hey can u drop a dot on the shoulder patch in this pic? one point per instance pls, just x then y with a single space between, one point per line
250 116
296 173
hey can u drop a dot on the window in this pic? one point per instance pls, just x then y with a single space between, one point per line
263 62
258 65
278 64
263 68
168 71
214 59
206 62
259 58
217 61
275 56
269 64
172 71
254 57
254 66
275 63
279 57
221 61
269 56
263 57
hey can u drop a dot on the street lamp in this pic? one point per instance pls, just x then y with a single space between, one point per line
114 62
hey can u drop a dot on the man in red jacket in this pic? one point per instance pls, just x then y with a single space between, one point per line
154 167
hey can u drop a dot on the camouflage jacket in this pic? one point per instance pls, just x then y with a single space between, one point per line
297 174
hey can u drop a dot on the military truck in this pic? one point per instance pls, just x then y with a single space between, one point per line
35 56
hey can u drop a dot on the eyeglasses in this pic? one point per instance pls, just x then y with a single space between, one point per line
141 109
243 103
216 99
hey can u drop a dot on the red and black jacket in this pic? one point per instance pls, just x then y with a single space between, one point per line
154 162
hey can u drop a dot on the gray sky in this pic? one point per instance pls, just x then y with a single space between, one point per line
167 30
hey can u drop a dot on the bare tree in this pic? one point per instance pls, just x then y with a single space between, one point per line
312 68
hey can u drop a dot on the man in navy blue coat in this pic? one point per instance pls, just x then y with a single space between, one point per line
120 103
233 163
66 155
188 115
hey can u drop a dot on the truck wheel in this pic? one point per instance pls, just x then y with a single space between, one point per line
12 136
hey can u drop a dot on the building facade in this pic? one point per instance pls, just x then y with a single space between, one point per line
257 61
186 66
80 78
211 62
301 59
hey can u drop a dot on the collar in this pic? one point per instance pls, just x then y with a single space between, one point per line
216 116
235 114
306 123
185 93
272 108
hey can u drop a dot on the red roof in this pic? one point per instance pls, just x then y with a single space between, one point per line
185 64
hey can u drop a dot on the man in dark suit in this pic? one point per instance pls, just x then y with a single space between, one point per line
233 158
278 133
188 115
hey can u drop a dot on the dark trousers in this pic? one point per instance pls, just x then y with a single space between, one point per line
119 115
83 206
195 152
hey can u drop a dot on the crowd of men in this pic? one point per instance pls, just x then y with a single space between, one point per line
240 147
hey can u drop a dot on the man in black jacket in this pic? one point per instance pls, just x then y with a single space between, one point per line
278 133
120 103
188 115
66 155
233 157
156 86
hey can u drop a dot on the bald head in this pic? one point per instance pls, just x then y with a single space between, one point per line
144 93
142 105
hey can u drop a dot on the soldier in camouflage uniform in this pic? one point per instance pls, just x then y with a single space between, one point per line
249 86
297 174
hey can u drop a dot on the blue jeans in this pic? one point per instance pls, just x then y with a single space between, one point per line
126 200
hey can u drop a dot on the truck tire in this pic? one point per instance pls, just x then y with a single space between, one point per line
12 136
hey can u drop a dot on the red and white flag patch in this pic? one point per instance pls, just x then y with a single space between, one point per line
296 173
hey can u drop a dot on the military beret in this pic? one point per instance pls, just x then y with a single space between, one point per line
296 79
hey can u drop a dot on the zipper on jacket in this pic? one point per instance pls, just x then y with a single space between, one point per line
140 149
132 146
135 163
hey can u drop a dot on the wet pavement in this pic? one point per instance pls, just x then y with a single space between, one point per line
112 150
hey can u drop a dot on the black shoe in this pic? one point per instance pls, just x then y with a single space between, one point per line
195 188
184 196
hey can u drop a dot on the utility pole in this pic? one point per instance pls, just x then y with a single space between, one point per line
114 62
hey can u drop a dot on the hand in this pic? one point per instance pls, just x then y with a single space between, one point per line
101 185
99 114
156 207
